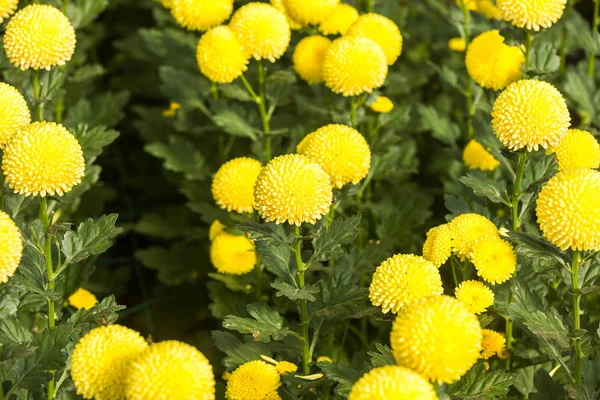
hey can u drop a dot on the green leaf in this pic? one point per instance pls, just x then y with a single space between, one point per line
345 376
383 356
580 89
8 305
234 124
104 109
175 264
276 259
328 243
180 155
235 92
441 127
295 293
102 313
477 384
547 388
84 12
92 238
536 248
344 301
269 233
484 186
87 72
12 332
513 36
185 88
93 140
238 352
543 59
267 323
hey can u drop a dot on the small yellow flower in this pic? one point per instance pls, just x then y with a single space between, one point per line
531 14
475 295
172 110
467 229
494 259
392 382
382 105
308 58
11 247
215 229
82 299
278 4
201 15
14 113
475 156
232 254
220 55
233 184
324 359
382 31
488 9
39 36
285 367
254 380
578 149
471 4
339 21
438 245
310 12
457 44
492 343
7 8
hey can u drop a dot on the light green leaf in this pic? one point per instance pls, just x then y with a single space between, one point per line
180 155
484 186
92 238
266 323
295 293
477 384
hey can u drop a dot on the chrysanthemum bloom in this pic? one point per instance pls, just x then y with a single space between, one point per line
220 55
492 343
308 58
254 380
339 21
201 15
14 113
43 158
392 382
494 259
475 295
101 360
82 299
529 114
403 279
172 110
493 64
382 105
476 157
354 65
215 229
285 367
232 254
488 9
263 31
292 188
233 184
457 44
467 229
11 247
341 151
278 4
437 337
531 14
438 245
382 31
578 149
7 8
170 370
310 12
568 210
39 36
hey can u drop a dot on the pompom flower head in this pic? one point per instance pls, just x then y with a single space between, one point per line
43 158
310 12
215 229
578 149
437 337
382 105
457 44
101 360
568 210
292 188
341 151
468 229
278 4
382 31
529 114
262 30
220 55
438 245
11 247
308 58
201 15
7 8
494 259
475 295
339 21
492 63
170 370
476 157
392 382
39 36
492 344
232 254
354 65
254 380
14 113
82 298
233 185
285 367
531 14
403 279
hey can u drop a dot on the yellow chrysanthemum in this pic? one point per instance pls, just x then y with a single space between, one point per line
457 44
172 110
578 149
438 245
467 229
488 9
233 185
308 58
170 370
11 247
402 279
530 113
285 367
82 299
310 12
201 15
215 229
437 337
354 65
475 295
382 105
101 360
392 382
342 152
493 64
39 36
494 259
254 380
232 254
531 14
7 8
568 210
220 55
382 31
292 188
278 4
263 31
339 21
43 158
14 113
492 343
475 156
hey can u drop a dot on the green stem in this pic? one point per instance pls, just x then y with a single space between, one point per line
353 107
39 106
454 275
528 41
214 90
303 308
50 272
369 5
563 41
262 108
595 21
577 318
65 5
469 87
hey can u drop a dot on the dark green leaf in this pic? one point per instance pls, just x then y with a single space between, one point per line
180 155
484 186
477 384
536 248
441 127
103 313
238 353
93 140
383 356
11 331
295 293
343 375
546 388
329 241
234 124
267 323
269 233
92 238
